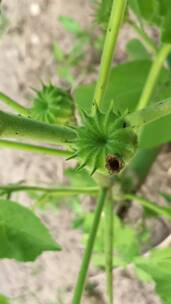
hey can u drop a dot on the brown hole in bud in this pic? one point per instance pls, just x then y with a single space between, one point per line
113 164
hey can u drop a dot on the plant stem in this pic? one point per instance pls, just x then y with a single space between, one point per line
162 211
14 105
149 43
153 75
33 148
109 248
139 119
89 249
116 17
19 127
58 191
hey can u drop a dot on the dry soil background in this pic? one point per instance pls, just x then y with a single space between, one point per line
25 58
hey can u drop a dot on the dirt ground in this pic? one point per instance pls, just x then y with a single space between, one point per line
25 59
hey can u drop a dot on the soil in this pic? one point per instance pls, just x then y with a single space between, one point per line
25 59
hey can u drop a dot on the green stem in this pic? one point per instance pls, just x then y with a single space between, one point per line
58 191
14 105
18 127
149 43
89 249
109 248
116 17
162 211
139 119
33 148
153 75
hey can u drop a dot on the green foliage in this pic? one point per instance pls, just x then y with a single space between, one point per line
102 11
127 241
79 178
70 60
70 25
136 50
156 12
149 10
53 105
167 197
157 266
3 300
22 234
105 142
126 91
156 209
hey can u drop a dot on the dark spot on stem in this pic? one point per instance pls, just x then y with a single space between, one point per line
114 164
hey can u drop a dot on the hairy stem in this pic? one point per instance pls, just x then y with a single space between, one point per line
14 105
116 17
109 248
89 249
67 191
18 127
139 119
33 148
149 43
153 75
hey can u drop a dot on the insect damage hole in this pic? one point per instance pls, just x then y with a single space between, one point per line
113 164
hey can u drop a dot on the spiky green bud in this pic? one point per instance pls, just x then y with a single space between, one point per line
105 142
53 105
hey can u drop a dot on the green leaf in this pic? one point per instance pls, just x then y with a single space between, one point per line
126 243
156 12
158 265
166 28
147 9
70 24
58 53
136 50
102 11
158 132
124 90
22 235
3 300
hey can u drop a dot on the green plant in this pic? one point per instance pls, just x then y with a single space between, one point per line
117 135
69 62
